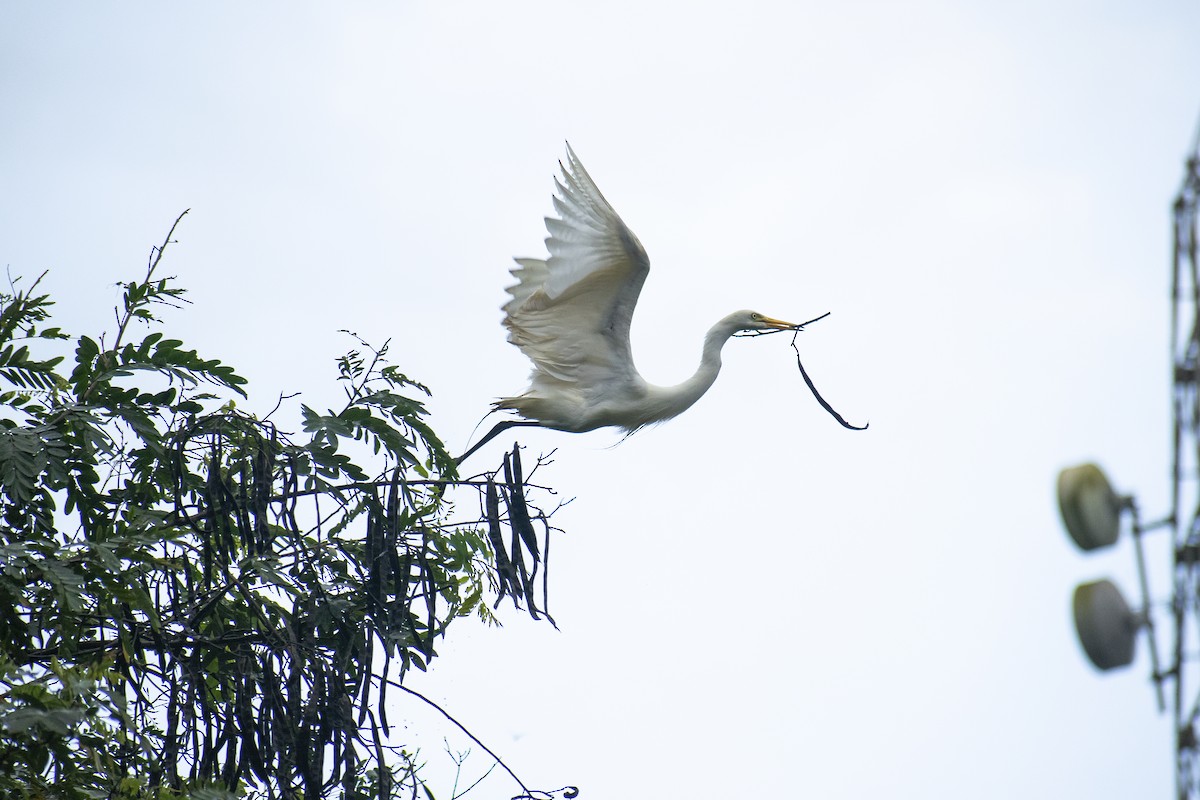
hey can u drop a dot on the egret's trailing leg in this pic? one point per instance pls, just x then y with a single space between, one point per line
499 428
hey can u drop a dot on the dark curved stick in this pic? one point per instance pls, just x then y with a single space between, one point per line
817 394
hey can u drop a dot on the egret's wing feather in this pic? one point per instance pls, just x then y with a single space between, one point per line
586 237
570 314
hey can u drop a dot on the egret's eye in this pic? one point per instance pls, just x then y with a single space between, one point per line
756 317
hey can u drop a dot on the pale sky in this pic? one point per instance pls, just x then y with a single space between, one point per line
753 601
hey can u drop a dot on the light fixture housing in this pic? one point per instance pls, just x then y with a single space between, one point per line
1106 625
1091 510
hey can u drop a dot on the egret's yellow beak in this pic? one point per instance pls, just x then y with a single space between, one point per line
770 322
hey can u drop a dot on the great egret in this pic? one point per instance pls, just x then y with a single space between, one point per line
570 315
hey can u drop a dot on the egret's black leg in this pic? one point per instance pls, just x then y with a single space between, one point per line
499 428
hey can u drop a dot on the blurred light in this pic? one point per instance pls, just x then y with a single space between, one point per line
1106 626
1091 510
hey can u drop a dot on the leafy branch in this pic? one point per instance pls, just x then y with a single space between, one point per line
194 604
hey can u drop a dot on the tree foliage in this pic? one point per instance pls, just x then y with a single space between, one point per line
196 603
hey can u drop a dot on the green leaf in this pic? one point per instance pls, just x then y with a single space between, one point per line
58 721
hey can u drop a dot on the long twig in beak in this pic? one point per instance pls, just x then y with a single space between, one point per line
800 327
796 328
817 394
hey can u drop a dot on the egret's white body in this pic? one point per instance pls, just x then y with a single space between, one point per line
570 314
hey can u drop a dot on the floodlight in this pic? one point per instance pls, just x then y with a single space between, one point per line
1107 627
1091 510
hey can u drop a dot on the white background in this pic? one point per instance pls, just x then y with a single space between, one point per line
753 601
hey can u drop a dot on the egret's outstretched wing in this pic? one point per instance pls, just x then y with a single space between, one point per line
570 314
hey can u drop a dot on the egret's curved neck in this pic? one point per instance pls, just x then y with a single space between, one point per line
683 395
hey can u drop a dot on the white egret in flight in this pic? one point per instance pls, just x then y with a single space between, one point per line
570 315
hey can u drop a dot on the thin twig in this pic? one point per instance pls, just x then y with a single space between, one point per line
387 482
279 403
462 728
796 328
124 320
817 394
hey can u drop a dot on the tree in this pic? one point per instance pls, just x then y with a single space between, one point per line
194 603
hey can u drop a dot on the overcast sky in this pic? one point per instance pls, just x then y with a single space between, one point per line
753 601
